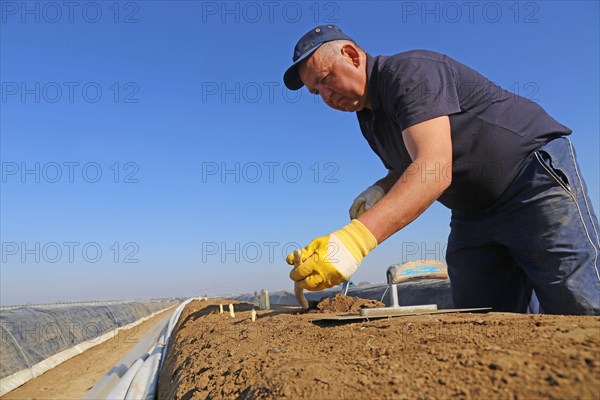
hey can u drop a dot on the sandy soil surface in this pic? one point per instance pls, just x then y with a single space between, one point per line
73 378
285 355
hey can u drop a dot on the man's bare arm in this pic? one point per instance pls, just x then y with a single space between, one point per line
430 147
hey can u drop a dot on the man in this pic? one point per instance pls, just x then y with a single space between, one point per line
521 216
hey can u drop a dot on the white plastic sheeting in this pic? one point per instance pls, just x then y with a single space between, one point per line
35 340
136 375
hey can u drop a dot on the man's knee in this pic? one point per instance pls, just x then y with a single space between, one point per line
578 294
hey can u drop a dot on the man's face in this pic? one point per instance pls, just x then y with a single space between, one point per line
339 79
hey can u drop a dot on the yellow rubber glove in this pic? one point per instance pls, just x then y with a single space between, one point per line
330 260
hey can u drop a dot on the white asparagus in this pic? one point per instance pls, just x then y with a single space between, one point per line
267 300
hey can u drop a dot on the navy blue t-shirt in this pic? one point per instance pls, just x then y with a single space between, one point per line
493 130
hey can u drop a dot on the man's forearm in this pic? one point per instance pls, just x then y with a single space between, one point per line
407 198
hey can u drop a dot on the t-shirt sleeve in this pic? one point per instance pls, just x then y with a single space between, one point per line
421 89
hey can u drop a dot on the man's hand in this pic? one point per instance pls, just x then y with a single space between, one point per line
368 198
330 260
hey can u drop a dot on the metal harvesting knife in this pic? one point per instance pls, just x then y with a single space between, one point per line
298 290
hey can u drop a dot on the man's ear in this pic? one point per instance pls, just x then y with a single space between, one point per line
350 51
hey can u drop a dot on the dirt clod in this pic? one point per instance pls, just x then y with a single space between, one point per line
344 304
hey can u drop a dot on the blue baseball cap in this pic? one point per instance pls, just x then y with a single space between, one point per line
307 45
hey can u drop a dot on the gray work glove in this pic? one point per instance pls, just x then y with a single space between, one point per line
366 200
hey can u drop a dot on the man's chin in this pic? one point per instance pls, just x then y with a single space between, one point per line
353 108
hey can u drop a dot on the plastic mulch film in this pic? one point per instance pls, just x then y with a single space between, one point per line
138 354
30 335
135 376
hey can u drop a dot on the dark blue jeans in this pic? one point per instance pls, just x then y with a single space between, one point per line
542 235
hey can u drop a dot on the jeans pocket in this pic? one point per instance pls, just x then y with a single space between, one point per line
546 161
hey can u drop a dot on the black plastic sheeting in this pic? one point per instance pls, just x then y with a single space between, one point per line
29 335
426 291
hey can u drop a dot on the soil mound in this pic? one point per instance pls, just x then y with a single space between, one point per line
284 355
345 304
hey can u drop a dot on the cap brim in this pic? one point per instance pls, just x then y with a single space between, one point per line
291 78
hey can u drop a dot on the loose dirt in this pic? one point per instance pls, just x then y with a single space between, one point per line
344 304
286 355
73 378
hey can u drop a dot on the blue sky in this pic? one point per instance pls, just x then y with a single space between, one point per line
149 148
